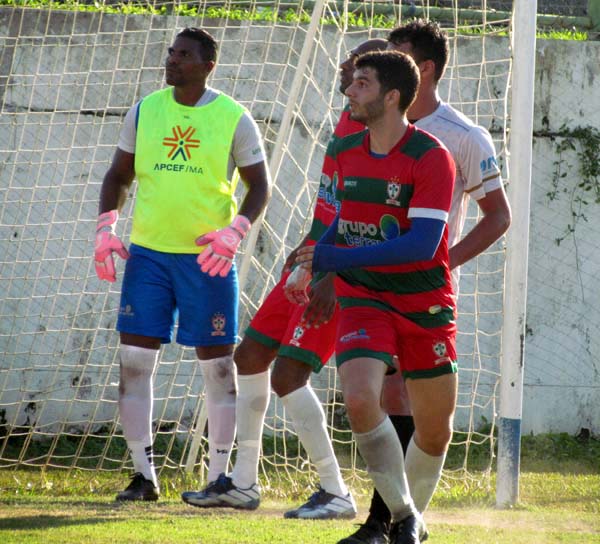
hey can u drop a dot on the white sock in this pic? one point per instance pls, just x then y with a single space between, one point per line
135 405
254 391
381 450
308 418
423 472
143 461
219 383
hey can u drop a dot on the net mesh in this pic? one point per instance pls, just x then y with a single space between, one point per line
70 77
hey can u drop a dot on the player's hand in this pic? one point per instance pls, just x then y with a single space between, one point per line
289 262
322 302
107 242
304 256
296 285
221 246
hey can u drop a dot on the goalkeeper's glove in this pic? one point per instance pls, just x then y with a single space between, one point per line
221 246
107 242
296 285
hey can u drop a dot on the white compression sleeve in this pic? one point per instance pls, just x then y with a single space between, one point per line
253 400
423 472
135 405
381 450
308 418
220 394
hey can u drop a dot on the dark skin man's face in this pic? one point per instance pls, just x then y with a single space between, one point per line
184 65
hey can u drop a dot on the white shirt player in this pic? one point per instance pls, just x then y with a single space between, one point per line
477 171
246 149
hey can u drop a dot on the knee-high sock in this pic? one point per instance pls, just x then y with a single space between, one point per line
423 472
220 394
135 405
254 391
405 427
308 418
381 450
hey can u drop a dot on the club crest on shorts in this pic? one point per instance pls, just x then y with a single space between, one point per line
393 191
440 349
298 333
218 324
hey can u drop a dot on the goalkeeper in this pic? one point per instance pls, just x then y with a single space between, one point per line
278 331
184 145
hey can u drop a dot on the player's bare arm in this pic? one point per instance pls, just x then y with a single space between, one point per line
291 258
494 223
256 178
112 196
221 245
322 302
117 181
305 257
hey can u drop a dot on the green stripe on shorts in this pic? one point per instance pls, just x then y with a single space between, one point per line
363 352
449 368
302 355
261 338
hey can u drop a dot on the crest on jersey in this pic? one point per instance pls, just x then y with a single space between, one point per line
218 324
298 333
393 191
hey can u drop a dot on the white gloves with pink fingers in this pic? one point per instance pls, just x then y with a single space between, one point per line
221 246
107 242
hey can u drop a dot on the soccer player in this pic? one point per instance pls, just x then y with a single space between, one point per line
478 177
183 144
388 247
278 332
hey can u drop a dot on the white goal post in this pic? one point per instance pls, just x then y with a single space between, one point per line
68 78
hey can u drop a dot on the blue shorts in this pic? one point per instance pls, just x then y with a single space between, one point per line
157 286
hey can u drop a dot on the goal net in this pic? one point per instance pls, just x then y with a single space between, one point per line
68 78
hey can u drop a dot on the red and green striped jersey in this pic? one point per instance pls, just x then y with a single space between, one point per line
378 197
326 206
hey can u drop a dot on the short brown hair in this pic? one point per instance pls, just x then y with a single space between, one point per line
394 70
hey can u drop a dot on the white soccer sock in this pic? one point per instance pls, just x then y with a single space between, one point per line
381 450
142 457
308 418
423 472
219 383
135 405
254 391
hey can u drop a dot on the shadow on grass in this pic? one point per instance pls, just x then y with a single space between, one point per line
42 522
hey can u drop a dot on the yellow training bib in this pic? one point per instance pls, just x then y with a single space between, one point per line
181 159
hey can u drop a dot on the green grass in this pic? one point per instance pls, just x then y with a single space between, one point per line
357 19
559 503
555 508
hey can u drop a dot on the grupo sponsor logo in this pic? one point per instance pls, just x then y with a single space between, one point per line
360 233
